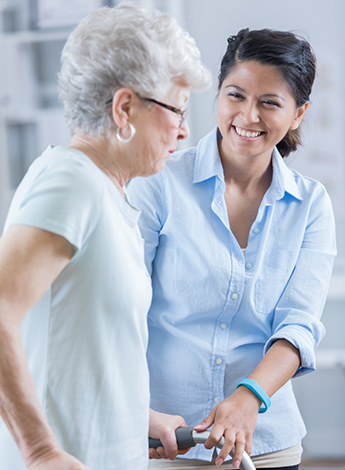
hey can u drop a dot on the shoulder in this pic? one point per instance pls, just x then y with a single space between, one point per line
70 168
309 188
61 189
63 176
315 201
179 167
181 161
303 188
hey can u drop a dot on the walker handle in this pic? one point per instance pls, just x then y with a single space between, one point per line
184 438
187 437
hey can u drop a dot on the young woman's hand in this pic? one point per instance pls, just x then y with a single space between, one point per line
235 420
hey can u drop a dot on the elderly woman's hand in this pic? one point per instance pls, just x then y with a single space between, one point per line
163 426
235 419
57 460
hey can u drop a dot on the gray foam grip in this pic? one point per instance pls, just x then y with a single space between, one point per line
184 437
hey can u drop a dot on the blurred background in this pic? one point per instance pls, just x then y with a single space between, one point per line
32 34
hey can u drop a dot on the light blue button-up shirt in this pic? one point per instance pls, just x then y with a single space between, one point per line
215 311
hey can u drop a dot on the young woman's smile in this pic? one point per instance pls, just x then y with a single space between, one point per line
247 133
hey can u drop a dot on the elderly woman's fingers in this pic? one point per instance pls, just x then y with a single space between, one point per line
158 453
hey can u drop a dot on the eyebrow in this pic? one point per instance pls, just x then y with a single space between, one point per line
267 95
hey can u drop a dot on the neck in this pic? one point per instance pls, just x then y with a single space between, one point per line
104 153
246 171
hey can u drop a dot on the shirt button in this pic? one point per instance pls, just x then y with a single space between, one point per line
234 296
216 400
256 230
223 326
249 265
219 361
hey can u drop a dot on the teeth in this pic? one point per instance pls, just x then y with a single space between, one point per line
244 133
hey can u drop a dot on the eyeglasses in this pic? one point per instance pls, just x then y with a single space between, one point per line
181 112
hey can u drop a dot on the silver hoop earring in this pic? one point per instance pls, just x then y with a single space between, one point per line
119 136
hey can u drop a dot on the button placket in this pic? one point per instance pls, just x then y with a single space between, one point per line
222 328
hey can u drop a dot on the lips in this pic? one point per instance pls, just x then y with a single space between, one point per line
250 133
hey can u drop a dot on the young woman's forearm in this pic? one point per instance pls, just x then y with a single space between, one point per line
280 363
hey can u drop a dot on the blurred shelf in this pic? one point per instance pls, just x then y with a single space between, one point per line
5 6
29 37
31 115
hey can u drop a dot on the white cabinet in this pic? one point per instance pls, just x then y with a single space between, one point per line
30 114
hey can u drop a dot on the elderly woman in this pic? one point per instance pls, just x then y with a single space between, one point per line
74 290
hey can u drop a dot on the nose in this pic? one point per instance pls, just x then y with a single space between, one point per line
183 132
250 112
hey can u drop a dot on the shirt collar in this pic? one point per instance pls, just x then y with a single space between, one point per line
283 180
208 164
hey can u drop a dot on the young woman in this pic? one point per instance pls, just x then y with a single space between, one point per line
240 249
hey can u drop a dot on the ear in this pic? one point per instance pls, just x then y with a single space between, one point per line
299 116
123 102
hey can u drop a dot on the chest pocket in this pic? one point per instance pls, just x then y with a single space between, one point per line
273 277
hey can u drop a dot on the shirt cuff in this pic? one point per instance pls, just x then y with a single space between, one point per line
302 339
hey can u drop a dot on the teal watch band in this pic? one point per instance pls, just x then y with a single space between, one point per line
258 391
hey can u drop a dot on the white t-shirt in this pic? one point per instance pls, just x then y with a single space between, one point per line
86 338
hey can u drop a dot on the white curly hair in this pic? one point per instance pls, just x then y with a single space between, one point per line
125 46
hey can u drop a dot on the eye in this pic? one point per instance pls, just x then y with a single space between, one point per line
270 103
235 95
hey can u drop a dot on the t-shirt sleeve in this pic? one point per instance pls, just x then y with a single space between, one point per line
62 197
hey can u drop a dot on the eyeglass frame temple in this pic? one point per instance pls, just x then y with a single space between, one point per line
182 113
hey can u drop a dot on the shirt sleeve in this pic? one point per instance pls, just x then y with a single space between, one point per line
63 197
298 312
146 193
